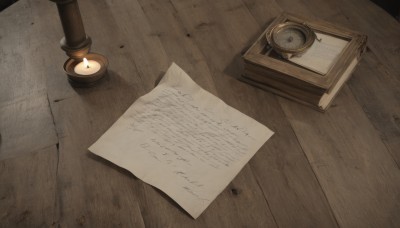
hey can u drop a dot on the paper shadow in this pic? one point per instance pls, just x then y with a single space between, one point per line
160 76
171 201
110 165
125 172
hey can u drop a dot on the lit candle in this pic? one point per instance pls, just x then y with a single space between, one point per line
87 67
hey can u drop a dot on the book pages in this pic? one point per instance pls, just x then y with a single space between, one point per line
327 97
322 55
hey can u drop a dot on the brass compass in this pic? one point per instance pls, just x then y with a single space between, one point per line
290 39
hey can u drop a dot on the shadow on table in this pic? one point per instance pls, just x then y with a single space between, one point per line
110 165
236 66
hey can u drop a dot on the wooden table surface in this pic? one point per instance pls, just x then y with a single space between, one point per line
334 169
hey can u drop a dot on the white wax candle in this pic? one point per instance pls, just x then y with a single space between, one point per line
87 67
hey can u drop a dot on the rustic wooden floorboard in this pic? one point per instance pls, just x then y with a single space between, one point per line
93 192
23 97
379 94
17 54
142 48
212 23
360 147
382 30
359 177
28 189
18 118
168 213
382 86
340 168
173 36
88 194
263 11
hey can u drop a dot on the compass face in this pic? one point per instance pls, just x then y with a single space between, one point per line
290 38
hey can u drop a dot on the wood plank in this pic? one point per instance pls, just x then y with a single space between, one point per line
90 193
263 13
340 153
23 97
177 42
235 200
222 30
382 30
26 125
30 50
28 180
376 89
142 59
238 200
359 177
383 66
18 46
28 189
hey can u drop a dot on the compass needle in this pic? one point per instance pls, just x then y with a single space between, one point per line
290 38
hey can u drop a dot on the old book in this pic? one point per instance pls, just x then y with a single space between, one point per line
315 77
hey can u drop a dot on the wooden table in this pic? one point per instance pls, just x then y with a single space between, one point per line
340 168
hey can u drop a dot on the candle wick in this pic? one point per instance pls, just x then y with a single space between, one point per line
87 66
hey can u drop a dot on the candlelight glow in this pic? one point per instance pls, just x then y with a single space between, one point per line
85 62
87 67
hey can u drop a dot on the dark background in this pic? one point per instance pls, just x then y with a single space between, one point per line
391 6
6 3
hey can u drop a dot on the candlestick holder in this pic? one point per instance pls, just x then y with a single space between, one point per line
76 45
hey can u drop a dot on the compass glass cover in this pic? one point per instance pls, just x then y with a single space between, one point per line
290 38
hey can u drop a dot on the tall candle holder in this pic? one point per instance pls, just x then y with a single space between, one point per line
76 45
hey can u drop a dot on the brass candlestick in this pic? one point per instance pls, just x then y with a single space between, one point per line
76 45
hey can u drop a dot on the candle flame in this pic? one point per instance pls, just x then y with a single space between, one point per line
85 63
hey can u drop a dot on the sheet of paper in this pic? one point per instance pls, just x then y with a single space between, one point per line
322 55
182 140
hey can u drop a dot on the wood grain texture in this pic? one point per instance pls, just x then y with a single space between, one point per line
351 163
383 53
28 189
293 176
18 48
174 36
378 92
318 170
26 125
26 122
91 192
363 190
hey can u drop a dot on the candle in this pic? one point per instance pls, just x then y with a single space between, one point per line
87 67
